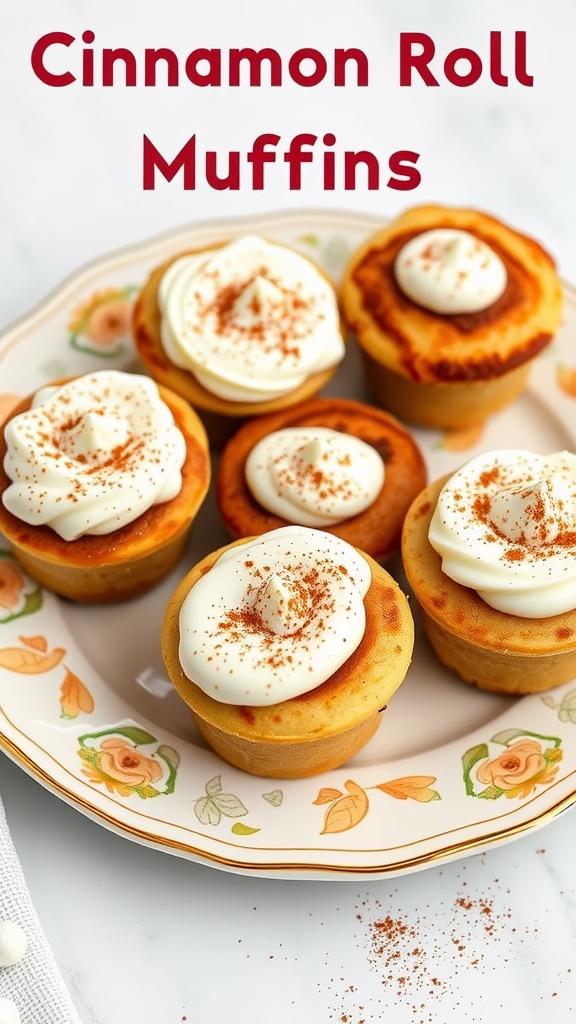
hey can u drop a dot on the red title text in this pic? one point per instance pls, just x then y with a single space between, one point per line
61 60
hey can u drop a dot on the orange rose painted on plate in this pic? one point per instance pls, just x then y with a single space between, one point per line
111 758
520 762
528 760
18 594
123 762
12 585
109 322
101 323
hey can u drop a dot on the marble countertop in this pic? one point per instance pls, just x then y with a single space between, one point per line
149 937
139 934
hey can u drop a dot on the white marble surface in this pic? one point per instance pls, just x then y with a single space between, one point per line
143 936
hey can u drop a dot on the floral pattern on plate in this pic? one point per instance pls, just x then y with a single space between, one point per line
348 809
113 758
566 707
19 595
528 760
101 324
33 656
216 805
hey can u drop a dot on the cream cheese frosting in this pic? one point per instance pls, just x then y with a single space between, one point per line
251 320
505 526
274 617
92 455
447 270
314 476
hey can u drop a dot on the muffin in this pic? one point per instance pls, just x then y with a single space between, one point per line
450 307
490 556
329 463
286 648
239 329
101 478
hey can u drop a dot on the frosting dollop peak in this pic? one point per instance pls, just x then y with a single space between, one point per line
252 320
505 526
314 476
283 604
274 617
447 270
531 514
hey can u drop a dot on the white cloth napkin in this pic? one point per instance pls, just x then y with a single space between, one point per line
35 984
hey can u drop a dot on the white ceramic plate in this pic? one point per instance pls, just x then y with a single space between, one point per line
84 702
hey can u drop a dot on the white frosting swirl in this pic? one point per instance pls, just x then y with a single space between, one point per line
314 476
274 617
505 526
92 455
450 271
251 320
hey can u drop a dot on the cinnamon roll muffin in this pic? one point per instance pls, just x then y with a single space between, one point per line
490 555
330 463
286 648
240 329
450 308
100 480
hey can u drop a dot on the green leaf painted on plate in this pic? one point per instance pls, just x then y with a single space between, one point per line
275 797
171 757
243 830
133 733
428 795
312 240
214 786
89 754
473 755
93 350
146 791
507 735
169 754
212 808
229 805
490 793
207 812
566 708
138 736
469 759
32 601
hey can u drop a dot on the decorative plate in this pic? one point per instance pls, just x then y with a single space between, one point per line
86 709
